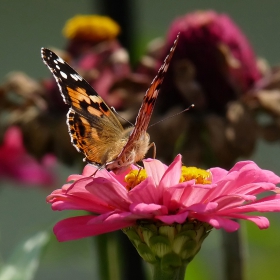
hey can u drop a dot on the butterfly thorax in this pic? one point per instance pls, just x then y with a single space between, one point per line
133 151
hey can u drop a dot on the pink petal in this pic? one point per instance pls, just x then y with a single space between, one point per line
172 174
261 222
229 202
155 169
255 188
90 171
170 219
203 207
186 193
75 196
239 165
74 177
196 193
78 187
267 204
223 186
148 210
217 222
85 226
249 170
217 174
66 202
145 192
172 196
112 193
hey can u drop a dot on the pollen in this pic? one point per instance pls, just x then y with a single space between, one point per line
201 176
92 28
135 177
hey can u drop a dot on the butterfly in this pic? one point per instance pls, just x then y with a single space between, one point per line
94 128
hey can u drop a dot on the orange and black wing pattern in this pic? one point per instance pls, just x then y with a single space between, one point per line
92 125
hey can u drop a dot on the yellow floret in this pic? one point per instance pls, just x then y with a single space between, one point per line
135 177
201 176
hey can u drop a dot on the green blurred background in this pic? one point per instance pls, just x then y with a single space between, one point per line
25 27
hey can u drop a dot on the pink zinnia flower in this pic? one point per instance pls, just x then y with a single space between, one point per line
18 165
165 194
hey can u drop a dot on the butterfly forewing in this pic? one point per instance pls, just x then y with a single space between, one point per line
75 90
148 104
90 121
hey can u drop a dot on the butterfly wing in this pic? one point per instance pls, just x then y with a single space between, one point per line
138 134
148 104
92 125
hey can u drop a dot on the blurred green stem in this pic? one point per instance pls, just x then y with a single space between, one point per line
233 255
109 260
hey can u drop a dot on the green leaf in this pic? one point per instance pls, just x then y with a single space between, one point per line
24 261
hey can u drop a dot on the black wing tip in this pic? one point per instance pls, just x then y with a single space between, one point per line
44 52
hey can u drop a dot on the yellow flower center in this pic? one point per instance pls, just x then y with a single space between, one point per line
201 176
91 28
135 177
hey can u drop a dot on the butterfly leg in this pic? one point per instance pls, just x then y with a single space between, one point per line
98 169
136 182
153 145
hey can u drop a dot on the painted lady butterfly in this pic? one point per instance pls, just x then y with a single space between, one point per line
94 129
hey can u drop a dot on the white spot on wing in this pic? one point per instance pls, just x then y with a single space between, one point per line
63 75
76 77
60 60
57 67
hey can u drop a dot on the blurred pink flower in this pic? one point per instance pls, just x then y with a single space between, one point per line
17 164
217 53
164 196
102 66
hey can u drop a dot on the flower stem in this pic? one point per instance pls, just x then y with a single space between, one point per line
175 274
233 255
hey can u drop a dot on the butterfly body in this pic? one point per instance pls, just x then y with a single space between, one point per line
133 153
94 129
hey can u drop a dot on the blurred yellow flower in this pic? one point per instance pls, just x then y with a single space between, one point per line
91 28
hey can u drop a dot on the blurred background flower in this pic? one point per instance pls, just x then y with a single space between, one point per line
16 164
215 68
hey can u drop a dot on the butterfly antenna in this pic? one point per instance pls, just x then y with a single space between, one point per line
114 110
170 117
